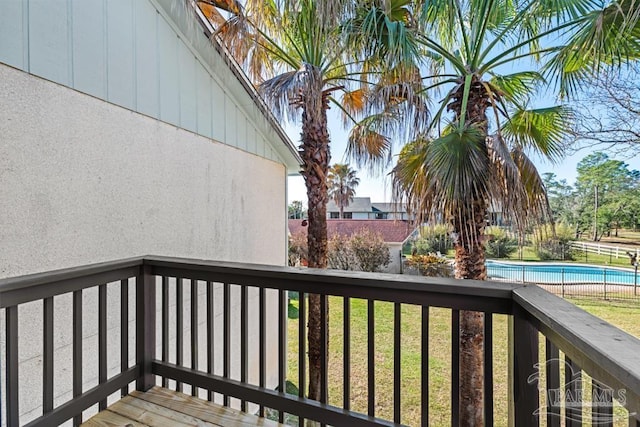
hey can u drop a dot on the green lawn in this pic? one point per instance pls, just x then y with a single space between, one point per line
626 317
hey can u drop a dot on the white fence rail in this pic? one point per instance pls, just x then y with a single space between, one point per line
608 250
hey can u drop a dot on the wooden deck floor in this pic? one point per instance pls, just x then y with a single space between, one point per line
167 408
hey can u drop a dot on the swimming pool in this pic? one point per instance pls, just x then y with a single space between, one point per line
560 273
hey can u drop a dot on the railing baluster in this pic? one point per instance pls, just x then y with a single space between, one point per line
346 333
145 327
371 358
47 359
77 350
210 335
324 346
324 350
455 367
302 348
523 352
397 368
226 297
179 326
424 362
552 355
102 340
602 405
262 303
282 345
488 369
194 330
572 386
244 340
11 325
124 330
165 325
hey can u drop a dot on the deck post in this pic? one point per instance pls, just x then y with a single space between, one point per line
145 327
523 356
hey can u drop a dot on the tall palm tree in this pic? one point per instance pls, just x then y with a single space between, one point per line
487 60
342 182
299 53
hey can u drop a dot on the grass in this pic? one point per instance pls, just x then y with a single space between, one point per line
625 316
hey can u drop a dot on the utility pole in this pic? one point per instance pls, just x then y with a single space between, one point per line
595 216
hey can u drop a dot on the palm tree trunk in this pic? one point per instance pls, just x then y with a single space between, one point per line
470 259
315 155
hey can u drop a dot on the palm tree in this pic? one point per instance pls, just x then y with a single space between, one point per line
342 182
458 165
298 52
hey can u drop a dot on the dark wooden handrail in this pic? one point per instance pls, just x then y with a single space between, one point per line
604 351
589 344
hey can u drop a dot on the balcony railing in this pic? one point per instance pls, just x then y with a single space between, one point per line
234 350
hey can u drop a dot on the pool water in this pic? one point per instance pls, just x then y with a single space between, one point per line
560 273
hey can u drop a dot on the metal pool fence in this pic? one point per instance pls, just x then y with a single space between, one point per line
572 281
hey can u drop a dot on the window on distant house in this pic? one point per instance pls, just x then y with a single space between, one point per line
348 215
335 215
381 215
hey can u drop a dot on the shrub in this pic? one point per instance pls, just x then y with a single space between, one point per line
554 246
500 244
370 253
364 250
297 248
339 254
433 239
431 265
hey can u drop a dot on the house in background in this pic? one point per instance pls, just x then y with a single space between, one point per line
394 234
364 208
124 132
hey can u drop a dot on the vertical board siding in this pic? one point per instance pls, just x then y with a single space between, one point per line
12 34
121 76
168 73
251 138
218 112
231 133
241 129
132 53
89 47
204 101
146 56
49 50
188 97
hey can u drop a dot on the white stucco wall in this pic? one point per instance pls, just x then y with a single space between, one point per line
394 253
84 181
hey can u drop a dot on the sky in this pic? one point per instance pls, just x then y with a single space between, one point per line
378 188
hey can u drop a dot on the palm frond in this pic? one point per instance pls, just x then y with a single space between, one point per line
517 88
354 101
543 130
383 34
367 146
285 92
512 189
537 204
605 37
232 6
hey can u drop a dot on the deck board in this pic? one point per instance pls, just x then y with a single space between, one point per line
111 419
161 407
